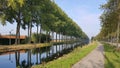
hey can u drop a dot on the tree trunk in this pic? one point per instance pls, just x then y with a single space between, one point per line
59 38
52 42
40 55
59 41
46 52
19 37
70 38
17 32
118 28
18 27
66 41
56 42
37 33
40 34
29 58
36 58
52 36
56 37
62 41
56 48
30 32
17 57
49 37
46 36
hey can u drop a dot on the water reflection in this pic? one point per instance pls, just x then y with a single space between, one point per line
28 58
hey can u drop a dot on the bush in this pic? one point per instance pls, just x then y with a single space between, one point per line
44 38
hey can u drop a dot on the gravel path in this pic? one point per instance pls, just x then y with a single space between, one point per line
93 60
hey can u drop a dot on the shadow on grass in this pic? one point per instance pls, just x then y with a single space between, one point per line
118 61
116 55
111 56
109 49
108 64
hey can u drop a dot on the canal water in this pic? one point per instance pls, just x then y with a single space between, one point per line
28 58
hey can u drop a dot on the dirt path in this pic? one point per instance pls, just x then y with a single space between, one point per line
93 60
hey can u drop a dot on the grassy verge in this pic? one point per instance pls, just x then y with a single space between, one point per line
68 60
6 48
112 59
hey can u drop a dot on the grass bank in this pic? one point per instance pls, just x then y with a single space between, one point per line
68 60
112 58
6 48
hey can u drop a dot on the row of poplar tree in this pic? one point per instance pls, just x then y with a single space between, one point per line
44 14
110 21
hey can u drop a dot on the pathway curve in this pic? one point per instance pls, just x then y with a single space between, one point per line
95 59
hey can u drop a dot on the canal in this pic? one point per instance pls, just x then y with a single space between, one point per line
28 58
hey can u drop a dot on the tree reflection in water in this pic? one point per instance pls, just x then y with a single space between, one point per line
41 55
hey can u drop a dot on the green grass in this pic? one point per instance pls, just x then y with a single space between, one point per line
68 60
7 48
112 58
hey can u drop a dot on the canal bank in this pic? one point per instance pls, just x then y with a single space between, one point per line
7 48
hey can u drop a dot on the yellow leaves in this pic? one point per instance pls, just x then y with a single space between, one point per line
21 2
12 3
0 6
118 5
15 3
2 19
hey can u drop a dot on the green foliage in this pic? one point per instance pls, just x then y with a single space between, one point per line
109 20
2 19
44 13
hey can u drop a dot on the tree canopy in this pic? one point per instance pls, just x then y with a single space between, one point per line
44 13
110 20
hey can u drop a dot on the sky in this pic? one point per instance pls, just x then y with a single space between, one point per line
84 12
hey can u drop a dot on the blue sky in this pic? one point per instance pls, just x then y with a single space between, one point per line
84 12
